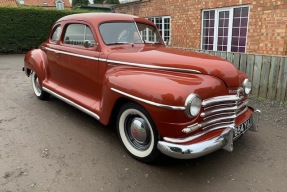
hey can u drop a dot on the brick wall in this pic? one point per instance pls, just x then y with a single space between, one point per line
267 28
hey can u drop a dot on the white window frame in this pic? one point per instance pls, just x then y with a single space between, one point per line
60 5
152 19
230 25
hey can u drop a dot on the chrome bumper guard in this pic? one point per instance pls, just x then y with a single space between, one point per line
224 141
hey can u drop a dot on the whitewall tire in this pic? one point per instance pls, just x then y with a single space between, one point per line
137 132
37 87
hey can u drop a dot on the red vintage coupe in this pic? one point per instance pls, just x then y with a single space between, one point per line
182 104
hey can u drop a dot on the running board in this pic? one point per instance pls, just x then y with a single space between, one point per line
72 103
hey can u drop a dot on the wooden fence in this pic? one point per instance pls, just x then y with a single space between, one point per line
267 73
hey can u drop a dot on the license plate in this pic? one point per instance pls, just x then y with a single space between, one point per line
242 128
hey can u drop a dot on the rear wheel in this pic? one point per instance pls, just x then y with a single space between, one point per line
138 133
37 87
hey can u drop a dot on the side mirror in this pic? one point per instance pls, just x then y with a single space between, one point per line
88 44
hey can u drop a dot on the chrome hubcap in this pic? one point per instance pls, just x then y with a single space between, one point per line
138 132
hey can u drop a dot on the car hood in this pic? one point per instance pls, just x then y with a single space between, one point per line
173 59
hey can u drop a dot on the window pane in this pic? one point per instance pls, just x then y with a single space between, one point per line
242 41
241 49
75 34
237 12
221 14
211 39
244 12
205 40
205 23
226 14
225 31
220 41
89 36
210 47
239 31
244 22
211 23
212 13
206 15
235 32
220 31
211 31
236 22
234 41
56 34
243 32
226 22
225 39
234 49
221 22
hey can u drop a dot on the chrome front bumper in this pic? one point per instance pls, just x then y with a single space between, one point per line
224 141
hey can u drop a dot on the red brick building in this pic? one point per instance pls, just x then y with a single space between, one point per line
58 4
11 3
257 26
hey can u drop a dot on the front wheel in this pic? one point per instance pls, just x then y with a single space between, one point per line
37 87
138 133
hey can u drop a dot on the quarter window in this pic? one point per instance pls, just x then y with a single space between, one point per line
225 29
56 34
77 34
163 25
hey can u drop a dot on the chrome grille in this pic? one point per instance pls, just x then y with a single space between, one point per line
222 111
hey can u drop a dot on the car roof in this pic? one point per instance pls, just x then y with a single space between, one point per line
99 17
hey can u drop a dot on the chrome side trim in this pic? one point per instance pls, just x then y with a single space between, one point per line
124 63
153 66
71 54
72 103
149 102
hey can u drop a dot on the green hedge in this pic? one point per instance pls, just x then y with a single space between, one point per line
22 28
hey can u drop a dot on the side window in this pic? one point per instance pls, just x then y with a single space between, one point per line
56 34
77 34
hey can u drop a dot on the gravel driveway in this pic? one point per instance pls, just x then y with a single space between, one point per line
51 146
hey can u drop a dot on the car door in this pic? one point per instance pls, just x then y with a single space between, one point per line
76 66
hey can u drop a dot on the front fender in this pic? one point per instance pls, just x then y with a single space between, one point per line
164 88
36 60
167 88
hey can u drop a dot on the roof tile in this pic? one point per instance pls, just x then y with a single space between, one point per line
8 2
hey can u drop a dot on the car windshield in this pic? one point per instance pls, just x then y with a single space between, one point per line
129 33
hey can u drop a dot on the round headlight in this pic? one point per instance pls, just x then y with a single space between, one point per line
247 86
192 105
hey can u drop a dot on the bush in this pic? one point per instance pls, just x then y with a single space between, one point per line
22 28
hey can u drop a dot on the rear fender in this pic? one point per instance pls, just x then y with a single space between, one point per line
36 60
